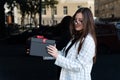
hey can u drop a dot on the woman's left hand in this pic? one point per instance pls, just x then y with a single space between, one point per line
52 50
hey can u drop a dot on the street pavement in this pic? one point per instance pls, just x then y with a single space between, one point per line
16 65
107 67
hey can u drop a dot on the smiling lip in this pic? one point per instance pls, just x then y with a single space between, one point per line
76 27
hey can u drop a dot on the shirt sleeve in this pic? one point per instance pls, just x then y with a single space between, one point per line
84 58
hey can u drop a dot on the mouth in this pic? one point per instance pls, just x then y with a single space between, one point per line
76 26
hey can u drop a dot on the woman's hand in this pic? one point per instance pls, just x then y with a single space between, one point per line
52 50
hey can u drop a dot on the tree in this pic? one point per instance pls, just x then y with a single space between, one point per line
50 4
27 7
31 8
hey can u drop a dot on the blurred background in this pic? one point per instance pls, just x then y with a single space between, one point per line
20 20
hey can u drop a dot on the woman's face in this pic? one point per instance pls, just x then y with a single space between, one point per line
78 22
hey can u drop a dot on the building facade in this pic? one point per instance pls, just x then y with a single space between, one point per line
107 8
64 8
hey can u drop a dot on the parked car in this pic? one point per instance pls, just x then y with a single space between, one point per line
108 40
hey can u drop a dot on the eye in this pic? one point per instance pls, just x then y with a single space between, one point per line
78 21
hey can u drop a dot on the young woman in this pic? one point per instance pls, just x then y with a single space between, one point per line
76 59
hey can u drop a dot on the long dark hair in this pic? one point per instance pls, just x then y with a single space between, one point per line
88 26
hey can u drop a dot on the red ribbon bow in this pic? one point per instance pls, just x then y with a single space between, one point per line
42 37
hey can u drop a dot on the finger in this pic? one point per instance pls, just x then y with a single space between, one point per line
51 47
50 52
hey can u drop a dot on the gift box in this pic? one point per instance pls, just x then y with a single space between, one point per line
39 45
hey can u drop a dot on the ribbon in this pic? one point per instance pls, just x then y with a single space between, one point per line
43 38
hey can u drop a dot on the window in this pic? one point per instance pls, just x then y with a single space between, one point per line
55 10
55 22
43 22
65 10
79 6
43 11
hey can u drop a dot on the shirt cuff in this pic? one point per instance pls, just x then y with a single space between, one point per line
58 59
